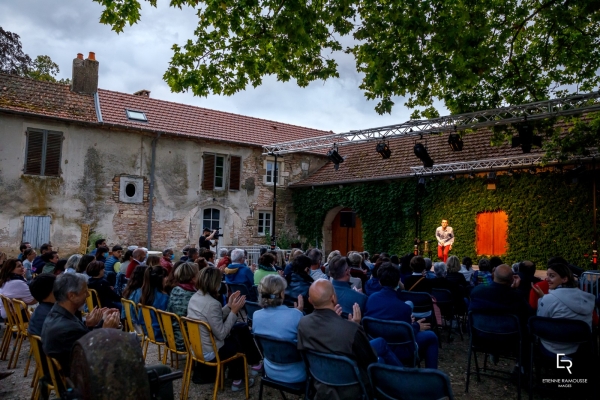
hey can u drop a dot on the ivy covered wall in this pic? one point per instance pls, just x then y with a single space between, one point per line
548 213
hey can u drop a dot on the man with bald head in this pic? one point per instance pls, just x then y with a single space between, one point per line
137 258
325 331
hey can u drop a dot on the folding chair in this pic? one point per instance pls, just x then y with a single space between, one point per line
20 314
492 333
445 301
280 352
131 319
10 327
558 330
193 338
92 300
422 303
399 383
150 337
56 374
251 295
399 335
334 370
169 324
251 307
41 369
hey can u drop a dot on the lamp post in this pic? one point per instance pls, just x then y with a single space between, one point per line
275 174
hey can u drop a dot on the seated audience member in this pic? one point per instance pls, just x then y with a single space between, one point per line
405 268
50 259
83 263
62 328
280 322
24 246
355 262
41 289
108 298
334 253
153 261
166 261
60 266
152 294
345 294
544 285
564 300
37 264
125 263
429 274
484 275
186 281
112 265
453 273
316 257
238 273
98 243
299 281
386 305
494 262
133 289
325 332
467 268
209 256
137 258
265 267
527 274
28 257
417 281
72 262
13 284
396 261
192 254
373 285
101 253
442 282
287 271
224 259
230 338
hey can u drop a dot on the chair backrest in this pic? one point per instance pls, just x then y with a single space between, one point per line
590 282
494 324
251 308
399 383
19 311
421 300
8 309
234 287
56 375
442 296
277 350
560 330
193 338
167 320
397 334
333 370
131 313
95 298
35 343
147 312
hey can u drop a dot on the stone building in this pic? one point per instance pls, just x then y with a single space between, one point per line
81 155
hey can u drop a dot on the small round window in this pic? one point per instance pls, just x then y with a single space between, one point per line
130 190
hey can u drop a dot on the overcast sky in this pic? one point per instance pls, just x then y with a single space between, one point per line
137 58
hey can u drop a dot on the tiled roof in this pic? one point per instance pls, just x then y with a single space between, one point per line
363 163
181 119
45 98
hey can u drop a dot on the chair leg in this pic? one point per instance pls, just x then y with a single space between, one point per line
246 376
468 368
145 346
485 358
164 359
477 366
15 352
217 381
187 375
260 390
34 384
28 362
5 338
159 357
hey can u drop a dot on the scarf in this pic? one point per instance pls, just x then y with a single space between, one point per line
264 268
16 276
187 286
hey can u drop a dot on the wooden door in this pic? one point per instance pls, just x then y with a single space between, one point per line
346 239
492 230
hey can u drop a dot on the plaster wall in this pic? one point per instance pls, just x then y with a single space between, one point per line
93 161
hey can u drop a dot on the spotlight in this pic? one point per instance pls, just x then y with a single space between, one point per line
421 153
421 183
532 171
384 150
432 178
335 158
526 138
452 177
491 180
455 142
510 172
471 175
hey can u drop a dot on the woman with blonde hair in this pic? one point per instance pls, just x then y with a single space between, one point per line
153 261
453 273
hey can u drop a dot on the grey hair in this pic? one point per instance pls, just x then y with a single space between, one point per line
333 254
68 283
223 252
237 255
315 256
440 269
73 261
355 259
453 264
270 289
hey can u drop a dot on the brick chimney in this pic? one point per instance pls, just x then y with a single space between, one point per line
143 93
85 74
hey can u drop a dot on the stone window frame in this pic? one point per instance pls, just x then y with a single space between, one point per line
262 219
280 170
226 160
221 215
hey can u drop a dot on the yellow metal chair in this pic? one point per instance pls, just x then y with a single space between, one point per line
10 325
35 343
92 300
130 309
168 323
20 314
56 375
193 341
150 337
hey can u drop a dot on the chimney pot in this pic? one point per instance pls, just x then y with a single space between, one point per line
80 56
142 93
92 56
85 74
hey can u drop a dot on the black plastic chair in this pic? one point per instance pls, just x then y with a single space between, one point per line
251 295
281 352
422 303
558 330
494 333
445 302
397 334
251 307
399 383
333 370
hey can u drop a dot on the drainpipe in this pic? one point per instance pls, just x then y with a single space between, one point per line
151 194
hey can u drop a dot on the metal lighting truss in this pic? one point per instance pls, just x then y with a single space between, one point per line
500 116
526 160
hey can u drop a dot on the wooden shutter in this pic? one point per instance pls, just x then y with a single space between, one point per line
53 148
208 178
35 150
492 228
235 170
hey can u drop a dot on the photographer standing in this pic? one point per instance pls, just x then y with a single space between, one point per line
206 237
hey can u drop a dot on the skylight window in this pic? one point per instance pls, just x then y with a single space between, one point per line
136 116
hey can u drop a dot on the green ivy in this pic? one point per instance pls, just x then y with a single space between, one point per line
548 214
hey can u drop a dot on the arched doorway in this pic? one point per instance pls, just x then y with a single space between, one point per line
346 232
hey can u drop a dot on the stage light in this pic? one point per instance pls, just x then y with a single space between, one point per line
421 184
510 172
532 171
384 150
455 142
491 180
526 138
335 158
421 153
452 177
471 175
